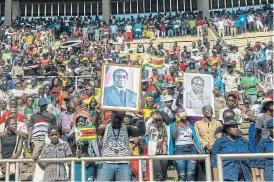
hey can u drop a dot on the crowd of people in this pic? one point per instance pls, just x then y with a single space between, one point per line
241 21
39 115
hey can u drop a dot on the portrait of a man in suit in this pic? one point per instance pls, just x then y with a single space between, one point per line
196 98
118 95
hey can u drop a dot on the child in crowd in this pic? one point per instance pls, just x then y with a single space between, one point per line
55 149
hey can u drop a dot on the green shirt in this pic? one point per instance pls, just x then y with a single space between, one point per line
247 81
192 23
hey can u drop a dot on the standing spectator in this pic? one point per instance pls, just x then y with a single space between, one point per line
113 31
219 101
265 165
163 30
231 81
64 121
11 145
138 30
128 29
192 26
157 144
269 57
206 128
218 47
238 24
231 103
232 143
236 57
261 131
55 149
118 134
251 22
199 24
186 142
221 27
249 84
227 26
184 25
233 30
38 126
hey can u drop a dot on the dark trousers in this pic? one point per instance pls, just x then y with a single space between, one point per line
160 170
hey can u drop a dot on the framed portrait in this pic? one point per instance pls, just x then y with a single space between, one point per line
198 93
121 87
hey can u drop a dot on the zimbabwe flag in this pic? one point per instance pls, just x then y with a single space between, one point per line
154 61
85 133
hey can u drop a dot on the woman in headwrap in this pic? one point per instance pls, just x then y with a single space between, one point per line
149 107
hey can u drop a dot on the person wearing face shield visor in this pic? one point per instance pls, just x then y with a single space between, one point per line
186 142
115 142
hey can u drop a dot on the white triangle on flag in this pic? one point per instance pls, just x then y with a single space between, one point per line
78 134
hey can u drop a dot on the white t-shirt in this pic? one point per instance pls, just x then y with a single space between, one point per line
128 28
250 18
120 40
221 24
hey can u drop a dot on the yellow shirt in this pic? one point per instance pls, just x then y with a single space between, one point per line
147 113
205 131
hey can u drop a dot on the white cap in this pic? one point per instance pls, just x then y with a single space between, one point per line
167 98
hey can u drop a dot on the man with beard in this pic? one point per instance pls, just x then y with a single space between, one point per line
115 143
196 98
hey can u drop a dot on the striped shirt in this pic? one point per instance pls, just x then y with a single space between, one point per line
40 123
116 143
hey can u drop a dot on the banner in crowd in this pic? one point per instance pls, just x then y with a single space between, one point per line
154 61
134 56
85 133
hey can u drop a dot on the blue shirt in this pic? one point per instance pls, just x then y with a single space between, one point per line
243 17
113 28
232 168
138 26
262 55
238 23
266 146
219 83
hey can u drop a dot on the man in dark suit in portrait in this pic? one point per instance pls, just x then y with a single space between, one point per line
118 95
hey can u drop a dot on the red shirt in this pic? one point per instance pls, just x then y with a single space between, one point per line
199 23
163 27
182 67
5 115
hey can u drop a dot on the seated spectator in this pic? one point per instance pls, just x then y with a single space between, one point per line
11 145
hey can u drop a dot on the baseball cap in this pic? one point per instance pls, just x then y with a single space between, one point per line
167 98
42 101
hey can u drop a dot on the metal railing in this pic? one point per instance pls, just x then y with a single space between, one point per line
220 157
17 162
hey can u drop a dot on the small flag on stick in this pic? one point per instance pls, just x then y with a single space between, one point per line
85 133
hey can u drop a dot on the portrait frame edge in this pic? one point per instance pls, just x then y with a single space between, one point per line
110 108
212 97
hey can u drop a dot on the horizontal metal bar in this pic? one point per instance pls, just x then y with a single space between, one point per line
245 156
127 158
